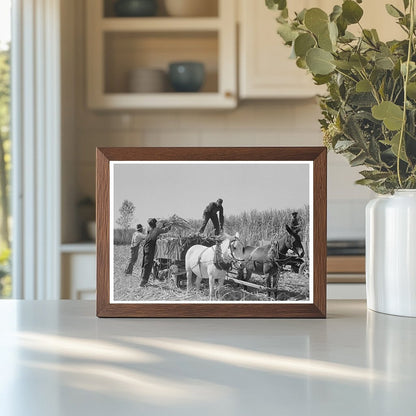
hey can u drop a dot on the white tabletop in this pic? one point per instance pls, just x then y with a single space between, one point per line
57 358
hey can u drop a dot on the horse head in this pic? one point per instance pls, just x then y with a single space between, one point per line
293 242
233 248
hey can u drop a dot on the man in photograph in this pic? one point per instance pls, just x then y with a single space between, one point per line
136 240
149 249
210 213
295 224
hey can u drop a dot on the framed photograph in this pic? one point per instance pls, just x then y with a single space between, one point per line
211 232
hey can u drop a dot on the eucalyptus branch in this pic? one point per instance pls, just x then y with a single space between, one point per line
346 75
373 88
406 80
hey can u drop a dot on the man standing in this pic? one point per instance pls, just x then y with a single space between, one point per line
295 224
149 249
137 238
210 213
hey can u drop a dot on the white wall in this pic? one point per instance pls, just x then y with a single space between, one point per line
256 123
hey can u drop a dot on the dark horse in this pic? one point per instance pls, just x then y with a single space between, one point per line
268 260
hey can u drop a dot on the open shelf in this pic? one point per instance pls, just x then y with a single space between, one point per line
119 45
126 51
211 9
160 24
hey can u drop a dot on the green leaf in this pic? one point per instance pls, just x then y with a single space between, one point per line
374 175
303 43
347 37
384 62
344 65
394 145
325 42
276 4
393 11
301 15
358 160
411 90
333 32
320 61
336 12
358 61
321 79
388 112
351 11
375 35
343 145
316 20
287 33
301 63
363 86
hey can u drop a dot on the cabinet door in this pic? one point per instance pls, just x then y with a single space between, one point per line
265 68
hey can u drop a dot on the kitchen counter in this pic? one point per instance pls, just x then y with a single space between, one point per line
57 358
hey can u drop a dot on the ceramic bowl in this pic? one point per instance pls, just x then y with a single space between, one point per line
135 8
191 8
147 80
186 76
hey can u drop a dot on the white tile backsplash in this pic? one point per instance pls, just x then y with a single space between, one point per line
258 123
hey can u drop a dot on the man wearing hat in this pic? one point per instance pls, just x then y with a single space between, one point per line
149 249
210 213
138 237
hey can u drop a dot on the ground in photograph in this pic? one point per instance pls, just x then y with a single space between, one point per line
292 286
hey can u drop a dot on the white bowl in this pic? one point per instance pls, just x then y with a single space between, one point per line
191 8
147 80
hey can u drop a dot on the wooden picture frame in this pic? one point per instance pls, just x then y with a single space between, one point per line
314 157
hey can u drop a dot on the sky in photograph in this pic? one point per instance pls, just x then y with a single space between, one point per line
161 190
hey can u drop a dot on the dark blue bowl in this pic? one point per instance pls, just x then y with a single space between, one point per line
186 76
135 8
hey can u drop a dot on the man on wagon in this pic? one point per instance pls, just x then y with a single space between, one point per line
136 240
210 213
149 249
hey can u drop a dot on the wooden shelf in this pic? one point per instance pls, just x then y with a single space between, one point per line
84 247
346 269
346 264
160 24
197 100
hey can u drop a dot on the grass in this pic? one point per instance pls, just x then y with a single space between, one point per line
292 286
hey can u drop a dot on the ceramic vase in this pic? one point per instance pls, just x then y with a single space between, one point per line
391 253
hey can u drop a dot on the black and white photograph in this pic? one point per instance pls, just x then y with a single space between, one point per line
196 232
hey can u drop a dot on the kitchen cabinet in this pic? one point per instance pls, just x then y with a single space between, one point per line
265 70
78 262
118 45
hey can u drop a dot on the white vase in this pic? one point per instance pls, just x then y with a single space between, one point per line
391 253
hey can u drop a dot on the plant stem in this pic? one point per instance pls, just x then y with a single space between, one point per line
406 80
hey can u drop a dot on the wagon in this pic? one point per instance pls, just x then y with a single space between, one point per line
170 254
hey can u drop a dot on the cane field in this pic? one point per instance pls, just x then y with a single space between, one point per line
255 228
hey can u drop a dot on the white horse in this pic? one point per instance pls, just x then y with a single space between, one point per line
200 260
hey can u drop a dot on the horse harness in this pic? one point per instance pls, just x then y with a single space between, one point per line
219 261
